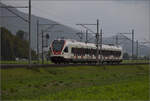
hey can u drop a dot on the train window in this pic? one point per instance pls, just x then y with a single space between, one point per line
87 51
72 50
100 52
79 51
95 52
116 53
119 53
75 51
91 51
83 51
66 50
57 45
106 53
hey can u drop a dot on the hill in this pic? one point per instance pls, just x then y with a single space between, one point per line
59 31
13 23
126 44
12 46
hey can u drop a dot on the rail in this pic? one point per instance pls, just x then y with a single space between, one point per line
6 66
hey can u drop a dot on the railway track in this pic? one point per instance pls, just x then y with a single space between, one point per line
6 66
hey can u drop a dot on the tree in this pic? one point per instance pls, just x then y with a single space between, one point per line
126 56
13 46
6 45
20 34
146 57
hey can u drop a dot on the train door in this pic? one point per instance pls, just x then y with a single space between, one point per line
66 52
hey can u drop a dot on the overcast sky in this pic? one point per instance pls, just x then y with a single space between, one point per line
114 15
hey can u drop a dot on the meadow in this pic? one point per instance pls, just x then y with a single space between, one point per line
76 83
25 62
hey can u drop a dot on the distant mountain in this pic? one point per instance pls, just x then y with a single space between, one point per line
126 44
14 24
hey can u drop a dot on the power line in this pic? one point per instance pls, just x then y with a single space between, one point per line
97 41
8 16
117 38
38 41
101 41
132 33
14 7
15 13
84 25
43 31
137 48
80 35
86 40
97 37
29 22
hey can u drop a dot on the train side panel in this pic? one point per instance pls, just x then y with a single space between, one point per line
77 52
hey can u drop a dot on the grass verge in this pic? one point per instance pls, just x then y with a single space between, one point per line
76 83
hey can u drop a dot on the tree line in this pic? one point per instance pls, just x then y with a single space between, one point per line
128 56
14 46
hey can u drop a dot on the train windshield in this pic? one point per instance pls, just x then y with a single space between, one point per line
57 45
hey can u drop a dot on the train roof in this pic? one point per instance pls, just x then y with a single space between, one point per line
91 45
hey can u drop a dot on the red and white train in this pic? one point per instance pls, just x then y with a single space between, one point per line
71 51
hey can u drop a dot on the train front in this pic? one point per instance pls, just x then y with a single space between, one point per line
56 49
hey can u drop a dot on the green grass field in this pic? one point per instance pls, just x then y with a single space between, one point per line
25 62
76 83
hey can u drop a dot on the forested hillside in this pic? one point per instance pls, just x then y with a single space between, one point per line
13 47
